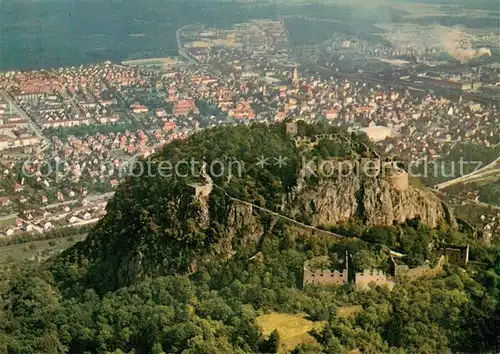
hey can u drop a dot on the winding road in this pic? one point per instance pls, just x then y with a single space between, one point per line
486 171
180 47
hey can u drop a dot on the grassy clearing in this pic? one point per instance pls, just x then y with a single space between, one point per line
292 329
27 251
14 257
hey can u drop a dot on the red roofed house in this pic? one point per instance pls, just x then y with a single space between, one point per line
331 113
172 94
4 201
168 126
160 112
307 89
183 107
244 111
138 108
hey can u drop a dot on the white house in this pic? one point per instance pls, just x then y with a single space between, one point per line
73 220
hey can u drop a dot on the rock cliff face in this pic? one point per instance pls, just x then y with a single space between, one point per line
173 225
242 228
242 221
328 202
374 201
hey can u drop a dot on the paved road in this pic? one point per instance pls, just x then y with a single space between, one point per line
486 205
90 198
189 58
93 197
71 100
482 172
180 47
482 176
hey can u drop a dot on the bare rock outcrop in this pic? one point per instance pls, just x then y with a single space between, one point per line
373 201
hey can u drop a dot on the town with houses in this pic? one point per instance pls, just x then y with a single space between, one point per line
87 123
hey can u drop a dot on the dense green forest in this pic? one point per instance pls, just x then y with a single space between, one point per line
85 130
490 193
131 287
309 31
213 311
95 31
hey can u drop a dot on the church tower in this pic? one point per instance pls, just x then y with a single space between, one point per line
294 76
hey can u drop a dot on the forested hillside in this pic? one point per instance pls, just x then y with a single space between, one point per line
214 310
170 271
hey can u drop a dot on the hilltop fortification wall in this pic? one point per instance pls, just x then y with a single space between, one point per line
375 276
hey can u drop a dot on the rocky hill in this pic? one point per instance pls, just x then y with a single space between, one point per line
220 191
374 201
209 260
